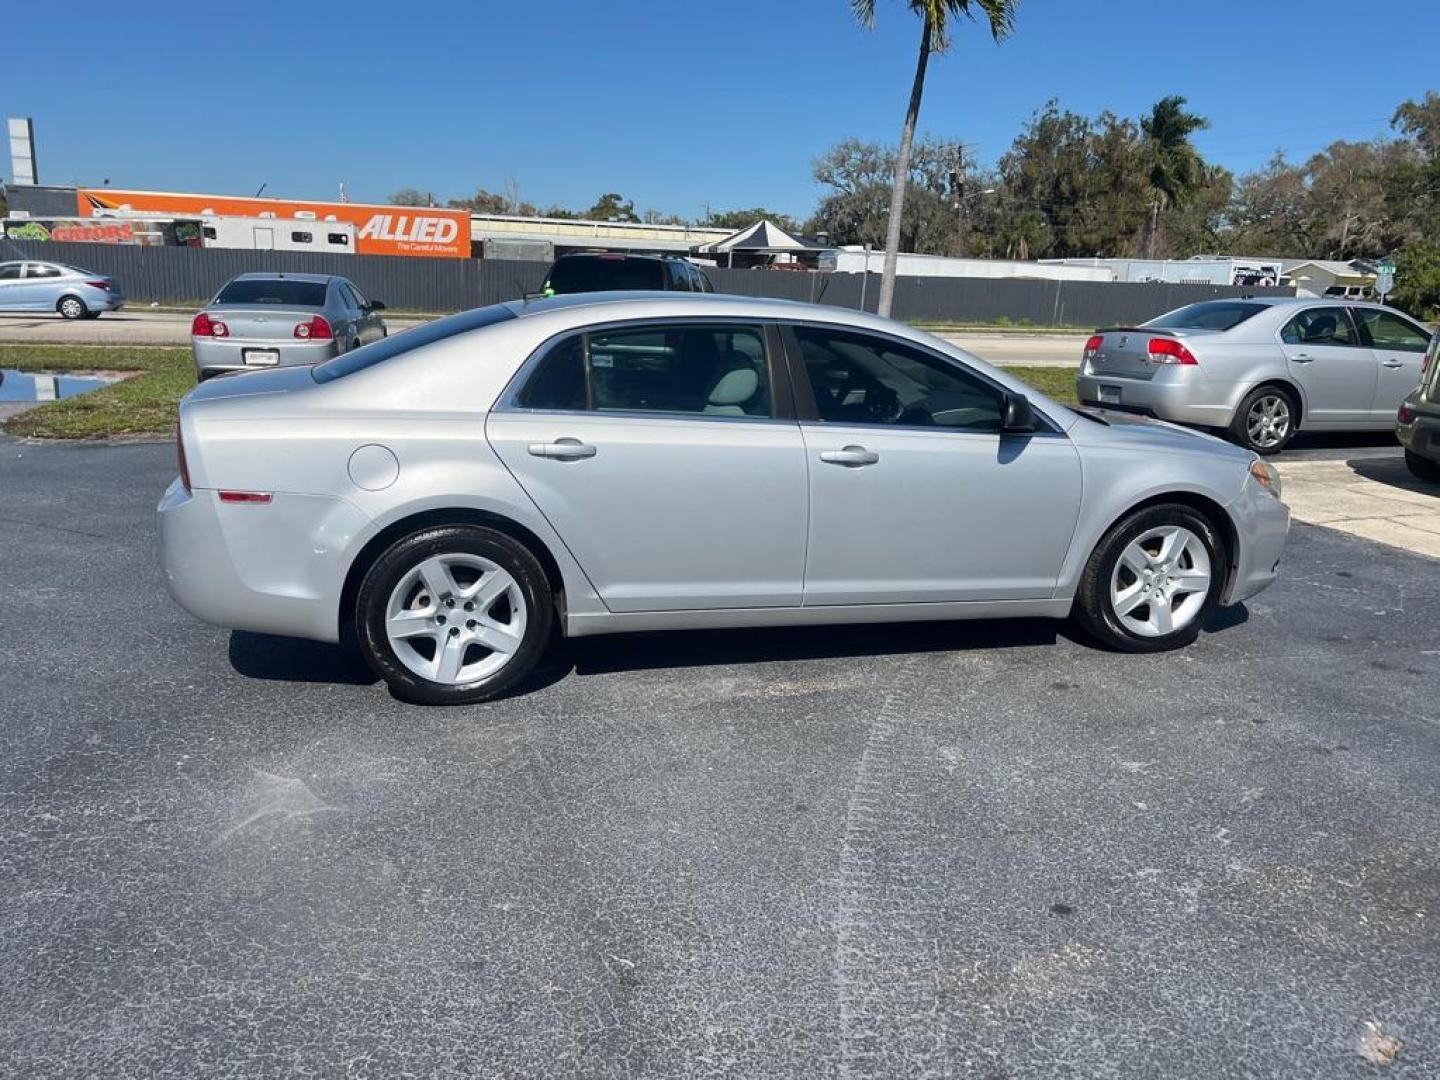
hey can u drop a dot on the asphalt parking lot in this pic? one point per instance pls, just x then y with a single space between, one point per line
976 849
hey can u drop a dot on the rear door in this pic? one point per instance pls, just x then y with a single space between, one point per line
915 494
1325 356
667 457
1398 346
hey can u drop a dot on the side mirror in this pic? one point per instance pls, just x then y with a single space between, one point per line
376 305
1019 416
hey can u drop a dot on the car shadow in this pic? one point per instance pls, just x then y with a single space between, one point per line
1339 440
285 659
1392 472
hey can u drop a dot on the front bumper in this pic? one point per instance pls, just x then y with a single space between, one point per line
1177 393
1262 523
216 355
276 568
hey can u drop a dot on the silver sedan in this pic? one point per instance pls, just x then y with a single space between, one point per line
1261 369
645 461
67 290
281 320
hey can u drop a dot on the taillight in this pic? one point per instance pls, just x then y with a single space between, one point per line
204 326
1092 347
252 498
1405 414
317 329
184 466
1169 351
99 285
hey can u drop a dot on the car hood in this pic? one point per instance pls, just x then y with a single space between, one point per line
1142 432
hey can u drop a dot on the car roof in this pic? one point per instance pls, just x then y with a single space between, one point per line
275 275
622 304
614 256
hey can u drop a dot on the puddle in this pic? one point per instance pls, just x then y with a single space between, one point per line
40 386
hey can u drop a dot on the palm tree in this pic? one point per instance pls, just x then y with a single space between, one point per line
933 38
1176 167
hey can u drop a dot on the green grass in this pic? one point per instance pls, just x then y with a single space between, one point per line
1056 382
142 404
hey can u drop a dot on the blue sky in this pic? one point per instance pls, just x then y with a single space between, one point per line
674 104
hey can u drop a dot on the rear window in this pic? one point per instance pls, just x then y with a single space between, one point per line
379 351
284 291
599 273
1209 315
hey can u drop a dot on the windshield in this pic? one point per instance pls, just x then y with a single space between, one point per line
601 273
286 291
379 351
1208 315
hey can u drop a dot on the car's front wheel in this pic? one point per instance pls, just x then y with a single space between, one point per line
71 307
454 615
1422 468
1152 581
1265 420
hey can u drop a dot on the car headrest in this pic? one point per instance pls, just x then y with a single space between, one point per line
735 387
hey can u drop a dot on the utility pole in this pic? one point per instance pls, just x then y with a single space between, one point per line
1152 228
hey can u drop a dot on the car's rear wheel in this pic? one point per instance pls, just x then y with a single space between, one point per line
71 307
454 615
1422 468
1265 420
1152 581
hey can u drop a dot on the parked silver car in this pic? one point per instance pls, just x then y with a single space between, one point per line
1261 368
651 461
67 290
281 320
1417 421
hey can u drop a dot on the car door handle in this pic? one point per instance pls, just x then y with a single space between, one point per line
1303 358
853 456
1392 363
563 449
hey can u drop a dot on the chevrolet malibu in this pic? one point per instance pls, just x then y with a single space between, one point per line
653 461
277 320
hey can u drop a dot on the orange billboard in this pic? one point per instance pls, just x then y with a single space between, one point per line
380 230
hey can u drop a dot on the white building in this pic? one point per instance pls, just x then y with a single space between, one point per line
857 260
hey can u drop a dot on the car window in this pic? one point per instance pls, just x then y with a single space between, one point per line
347 297
378 352
604 273
1386 331
1208 315
9 271
859 379
711 370
285 291
1319 326
360 300
40 270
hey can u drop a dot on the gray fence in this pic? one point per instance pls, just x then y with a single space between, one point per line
187 275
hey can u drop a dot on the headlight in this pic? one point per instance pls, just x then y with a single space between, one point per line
1266 475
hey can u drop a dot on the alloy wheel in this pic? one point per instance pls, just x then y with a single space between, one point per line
1268 421
455 618
1160 582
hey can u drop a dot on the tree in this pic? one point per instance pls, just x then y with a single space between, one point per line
612 207
1176 167
935 17
1417 280
486 202
411 197
742 219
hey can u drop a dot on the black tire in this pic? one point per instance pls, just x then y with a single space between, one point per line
1422 468
1239 430
403 556
1093 608
70 307
92 314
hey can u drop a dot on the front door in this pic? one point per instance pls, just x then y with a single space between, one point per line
13 296
915 495
1325 356
656 452
1398 346
264 239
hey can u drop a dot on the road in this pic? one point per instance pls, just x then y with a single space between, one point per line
954 850
142 327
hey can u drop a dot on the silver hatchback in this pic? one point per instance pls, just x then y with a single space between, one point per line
652 461
1260 369
282 320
